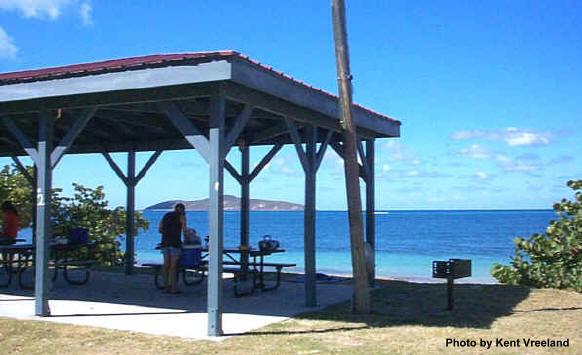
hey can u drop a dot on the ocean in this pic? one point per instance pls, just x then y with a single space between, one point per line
406 241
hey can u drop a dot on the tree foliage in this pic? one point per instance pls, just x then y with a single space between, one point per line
15 187
552 259
87 208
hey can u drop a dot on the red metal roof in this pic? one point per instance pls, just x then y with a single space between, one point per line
142 62
108 66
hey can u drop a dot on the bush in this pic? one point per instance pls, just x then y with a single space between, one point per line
87 208
552 259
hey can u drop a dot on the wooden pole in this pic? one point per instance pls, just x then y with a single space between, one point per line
309 212
43 222
361 295
245 205
130 214
370 209
215 214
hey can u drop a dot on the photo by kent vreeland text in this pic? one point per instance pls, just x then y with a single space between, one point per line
507 343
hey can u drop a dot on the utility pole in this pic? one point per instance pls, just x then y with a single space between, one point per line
361 295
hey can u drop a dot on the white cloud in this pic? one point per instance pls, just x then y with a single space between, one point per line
396 151
7 47
49 9
521 166
476 151
39 9
385 168
86 12
527 163
512 136
474 134
502 158
42 10
283 165
517 137
482 175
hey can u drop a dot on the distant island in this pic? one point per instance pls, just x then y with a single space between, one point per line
231 203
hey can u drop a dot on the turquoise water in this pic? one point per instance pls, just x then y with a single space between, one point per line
406 241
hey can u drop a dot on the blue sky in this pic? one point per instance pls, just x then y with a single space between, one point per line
489 93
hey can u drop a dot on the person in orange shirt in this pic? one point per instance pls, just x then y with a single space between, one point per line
9 224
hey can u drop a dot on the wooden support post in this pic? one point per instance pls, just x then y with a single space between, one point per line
266 159
130 214
310 161
361 294
45 158
190 132
309 217
43 223
339 149
239 125
371 209
71 135
233 172
130 181
245 202
20 167
22 139
34 197
215 213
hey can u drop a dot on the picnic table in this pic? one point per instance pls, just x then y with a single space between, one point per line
14 257
18 258
64 258
235 261
254 267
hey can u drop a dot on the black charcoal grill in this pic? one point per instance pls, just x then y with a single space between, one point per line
451 270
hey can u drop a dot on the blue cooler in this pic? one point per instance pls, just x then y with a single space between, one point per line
191 256
79 236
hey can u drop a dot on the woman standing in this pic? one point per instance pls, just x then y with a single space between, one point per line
171 227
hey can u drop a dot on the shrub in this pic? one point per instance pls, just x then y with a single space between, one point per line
87 208
552 259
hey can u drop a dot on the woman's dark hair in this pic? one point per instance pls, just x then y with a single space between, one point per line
181 206
8 206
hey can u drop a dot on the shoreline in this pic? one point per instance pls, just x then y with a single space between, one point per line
413 279
410 279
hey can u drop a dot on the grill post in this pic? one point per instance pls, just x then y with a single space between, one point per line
450 295
451 270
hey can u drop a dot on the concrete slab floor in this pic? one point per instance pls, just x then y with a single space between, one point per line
132 303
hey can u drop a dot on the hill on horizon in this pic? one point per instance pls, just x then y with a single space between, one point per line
231 203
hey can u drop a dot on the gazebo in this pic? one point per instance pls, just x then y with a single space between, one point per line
209 101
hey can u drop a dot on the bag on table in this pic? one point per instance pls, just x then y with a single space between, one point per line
268 243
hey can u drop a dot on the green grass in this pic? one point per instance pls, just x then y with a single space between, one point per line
406 318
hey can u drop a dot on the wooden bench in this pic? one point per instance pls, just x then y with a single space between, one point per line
190 275
66 266
255 268
239 275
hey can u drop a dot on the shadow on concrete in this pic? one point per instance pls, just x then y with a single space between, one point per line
118 294
394 303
